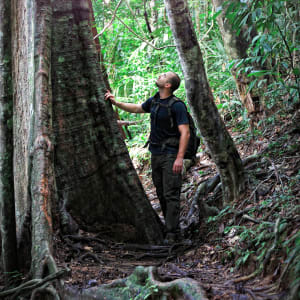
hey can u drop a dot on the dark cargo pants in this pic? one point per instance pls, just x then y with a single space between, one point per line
168 187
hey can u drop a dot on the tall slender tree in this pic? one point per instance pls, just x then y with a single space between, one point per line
7 206
200 98
236 46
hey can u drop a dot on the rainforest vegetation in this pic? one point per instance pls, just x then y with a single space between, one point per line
79 215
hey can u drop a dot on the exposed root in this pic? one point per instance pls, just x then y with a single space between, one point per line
248 277
84 239
92 255
270 251
197 203
33 284
45 290
142 284
135 247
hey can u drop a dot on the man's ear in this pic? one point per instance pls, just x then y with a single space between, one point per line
168 85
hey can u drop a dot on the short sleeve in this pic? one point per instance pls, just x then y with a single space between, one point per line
180 112
146 106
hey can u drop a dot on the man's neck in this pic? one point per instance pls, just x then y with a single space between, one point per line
163 93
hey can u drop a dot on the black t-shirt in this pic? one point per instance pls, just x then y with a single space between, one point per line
161 129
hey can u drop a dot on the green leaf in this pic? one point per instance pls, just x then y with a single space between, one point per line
296 71
257 73
217 13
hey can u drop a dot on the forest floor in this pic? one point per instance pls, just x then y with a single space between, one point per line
255 236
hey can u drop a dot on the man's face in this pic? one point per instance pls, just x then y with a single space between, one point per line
163 79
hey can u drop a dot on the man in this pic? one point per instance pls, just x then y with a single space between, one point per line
166 159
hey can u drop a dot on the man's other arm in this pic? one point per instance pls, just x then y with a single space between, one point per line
184 130
129 107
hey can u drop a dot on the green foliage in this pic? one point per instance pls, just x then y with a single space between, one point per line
133 65
256 239
146 291
272 27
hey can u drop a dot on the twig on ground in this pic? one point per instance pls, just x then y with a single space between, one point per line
279 180
248 218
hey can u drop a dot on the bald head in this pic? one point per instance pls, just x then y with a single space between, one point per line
174 80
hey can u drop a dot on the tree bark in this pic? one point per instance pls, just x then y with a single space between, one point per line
94 173
236 48
68 153
7 205
42 168
200 99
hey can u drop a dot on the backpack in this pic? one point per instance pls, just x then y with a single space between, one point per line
194 140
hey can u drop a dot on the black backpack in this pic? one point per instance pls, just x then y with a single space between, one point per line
194 140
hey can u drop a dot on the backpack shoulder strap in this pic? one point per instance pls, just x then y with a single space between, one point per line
170 103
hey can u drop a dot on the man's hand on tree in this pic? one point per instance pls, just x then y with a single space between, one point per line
178 165
109 96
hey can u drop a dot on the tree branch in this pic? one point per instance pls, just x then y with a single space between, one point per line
133 14
111 21
147 20
210 28
142 39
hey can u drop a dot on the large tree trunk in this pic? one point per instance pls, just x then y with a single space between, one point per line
7 206
95 176
68 155
236 48
200 98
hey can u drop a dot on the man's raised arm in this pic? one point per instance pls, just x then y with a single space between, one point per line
129 107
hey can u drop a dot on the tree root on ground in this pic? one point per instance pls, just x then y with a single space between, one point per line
91 255
206 187
197 203
84 239
33 284
140 285
136 247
